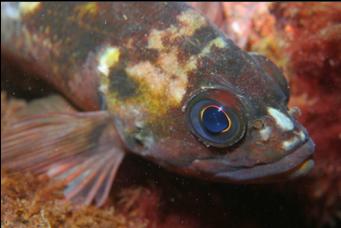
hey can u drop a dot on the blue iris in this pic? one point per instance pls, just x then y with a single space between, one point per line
214 119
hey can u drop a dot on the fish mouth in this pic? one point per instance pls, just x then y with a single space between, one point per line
291 166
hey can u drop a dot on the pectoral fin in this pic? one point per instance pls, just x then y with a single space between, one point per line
82 149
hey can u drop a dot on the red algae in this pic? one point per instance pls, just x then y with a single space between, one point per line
313 45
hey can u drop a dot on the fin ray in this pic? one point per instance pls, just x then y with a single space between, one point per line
82 149
103 191
35 142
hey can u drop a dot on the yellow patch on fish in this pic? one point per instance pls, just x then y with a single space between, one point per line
166 81
189 22
108 59
218 42
29 7
168 78
90 8
147 72
164 84
177 74
155 39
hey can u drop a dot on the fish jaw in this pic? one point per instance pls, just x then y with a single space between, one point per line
295 165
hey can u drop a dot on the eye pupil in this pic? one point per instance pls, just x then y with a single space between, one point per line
218 123
214 119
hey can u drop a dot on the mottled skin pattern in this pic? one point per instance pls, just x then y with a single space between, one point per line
147 60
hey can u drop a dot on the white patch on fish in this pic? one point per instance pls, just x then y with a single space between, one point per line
281 119
265 133
290 144
302 135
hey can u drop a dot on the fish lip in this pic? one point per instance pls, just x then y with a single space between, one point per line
286 166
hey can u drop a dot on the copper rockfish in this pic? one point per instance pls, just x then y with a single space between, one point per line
154 79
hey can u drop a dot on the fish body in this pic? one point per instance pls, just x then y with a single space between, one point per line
154 79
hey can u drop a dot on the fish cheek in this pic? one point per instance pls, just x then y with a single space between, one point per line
264 144
175 146
265 139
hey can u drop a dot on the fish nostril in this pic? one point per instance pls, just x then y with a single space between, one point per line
258 124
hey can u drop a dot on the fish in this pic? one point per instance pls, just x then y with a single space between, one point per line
157 80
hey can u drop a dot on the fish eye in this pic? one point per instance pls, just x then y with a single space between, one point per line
215 123
215 119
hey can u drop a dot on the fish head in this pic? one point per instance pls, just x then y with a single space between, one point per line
247 126
232 127
198 105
